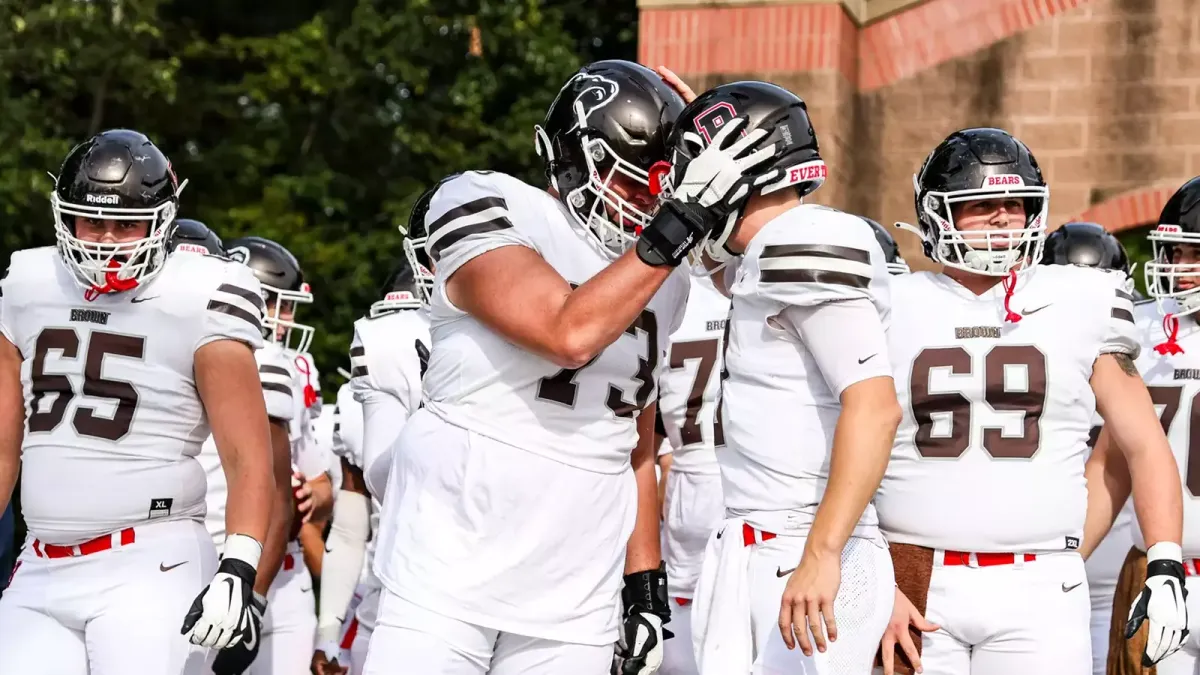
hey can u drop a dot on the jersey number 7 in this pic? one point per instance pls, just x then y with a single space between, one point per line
86 422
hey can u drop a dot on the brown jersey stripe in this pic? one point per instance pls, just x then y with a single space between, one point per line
275 386
1124 296
815 277
274 370
234 310
459 233
816 251
249 296
358 371
1122 314
358 351
468 209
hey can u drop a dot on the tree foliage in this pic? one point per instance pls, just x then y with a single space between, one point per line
313 123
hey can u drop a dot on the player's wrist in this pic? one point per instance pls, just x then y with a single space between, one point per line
1165 550
244 548
327 634
647 592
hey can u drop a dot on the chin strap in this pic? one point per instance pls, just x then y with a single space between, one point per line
310 393
1171 329
112 283
1010 285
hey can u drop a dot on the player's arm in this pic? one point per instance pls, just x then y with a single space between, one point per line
275 546
644 551
344 553
1108 487
321 489
1131 422
12 419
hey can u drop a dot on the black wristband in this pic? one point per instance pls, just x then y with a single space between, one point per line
1167 568
647 592
676 229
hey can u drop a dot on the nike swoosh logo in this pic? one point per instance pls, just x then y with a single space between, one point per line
252 638
862 361
720 533
1068 589
165 568
143 299
783 573
306 590
1035 311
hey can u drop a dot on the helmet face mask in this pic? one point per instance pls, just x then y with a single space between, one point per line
976 165
606 128
896 264
1173 275
415 238
117 175
279 318
283 288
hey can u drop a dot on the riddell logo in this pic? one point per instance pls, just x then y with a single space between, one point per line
102 199
1005 179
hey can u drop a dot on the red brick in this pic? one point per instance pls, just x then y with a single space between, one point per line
1054 69
1056 135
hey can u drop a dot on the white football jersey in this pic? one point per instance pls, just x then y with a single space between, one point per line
990 453
1174 384
113 418
274 372
690 386
778 409
481 382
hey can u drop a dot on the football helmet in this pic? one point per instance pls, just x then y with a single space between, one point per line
283 288
1088 245
400 292
766 106
605 130
195 237
115 175
415 236
974 164
1166 277
891 250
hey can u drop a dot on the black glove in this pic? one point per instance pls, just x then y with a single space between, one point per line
640 643
236 660
704 191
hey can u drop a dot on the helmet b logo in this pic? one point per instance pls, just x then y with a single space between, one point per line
710 122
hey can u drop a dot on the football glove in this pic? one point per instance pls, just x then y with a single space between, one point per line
221 615
1163 602
704 191
640 643
236 659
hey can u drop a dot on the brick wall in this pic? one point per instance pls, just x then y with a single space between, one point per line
1105 92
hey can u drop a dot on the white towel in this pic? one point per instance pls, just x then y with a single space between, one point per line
722 631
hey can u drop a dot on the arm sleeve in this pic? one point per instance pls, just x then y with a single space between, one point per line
384 416
847 340
347 427
276 382
468 216
345 549
234 309
1120 334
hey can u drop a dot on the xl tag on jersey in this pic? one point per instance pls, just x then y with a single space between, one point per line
1072 543
160 507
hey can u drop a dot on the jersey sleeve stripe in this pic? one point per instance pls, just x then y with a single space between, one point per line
816 251
450 236
358 371
1122 314
221 307
249 296
1125 296
274 370
474 207
1123 306
357 351
814 277
275 386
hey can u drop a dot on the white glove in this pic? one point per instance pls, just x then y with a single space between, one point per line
639 645
715 175
1163 602
222 614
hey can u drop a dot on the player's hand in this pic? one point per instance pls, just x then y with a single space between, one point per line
221 615
904 614
703 188
303 495
236 659
322 665
640 643
685 92
1163 602
808 601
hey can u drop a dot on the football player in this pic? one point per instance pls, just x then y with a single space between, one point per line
999 375
1090 245
193 236
116 361
511 498
808 412
688 395
1170 348
891 250
289 622
388 356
